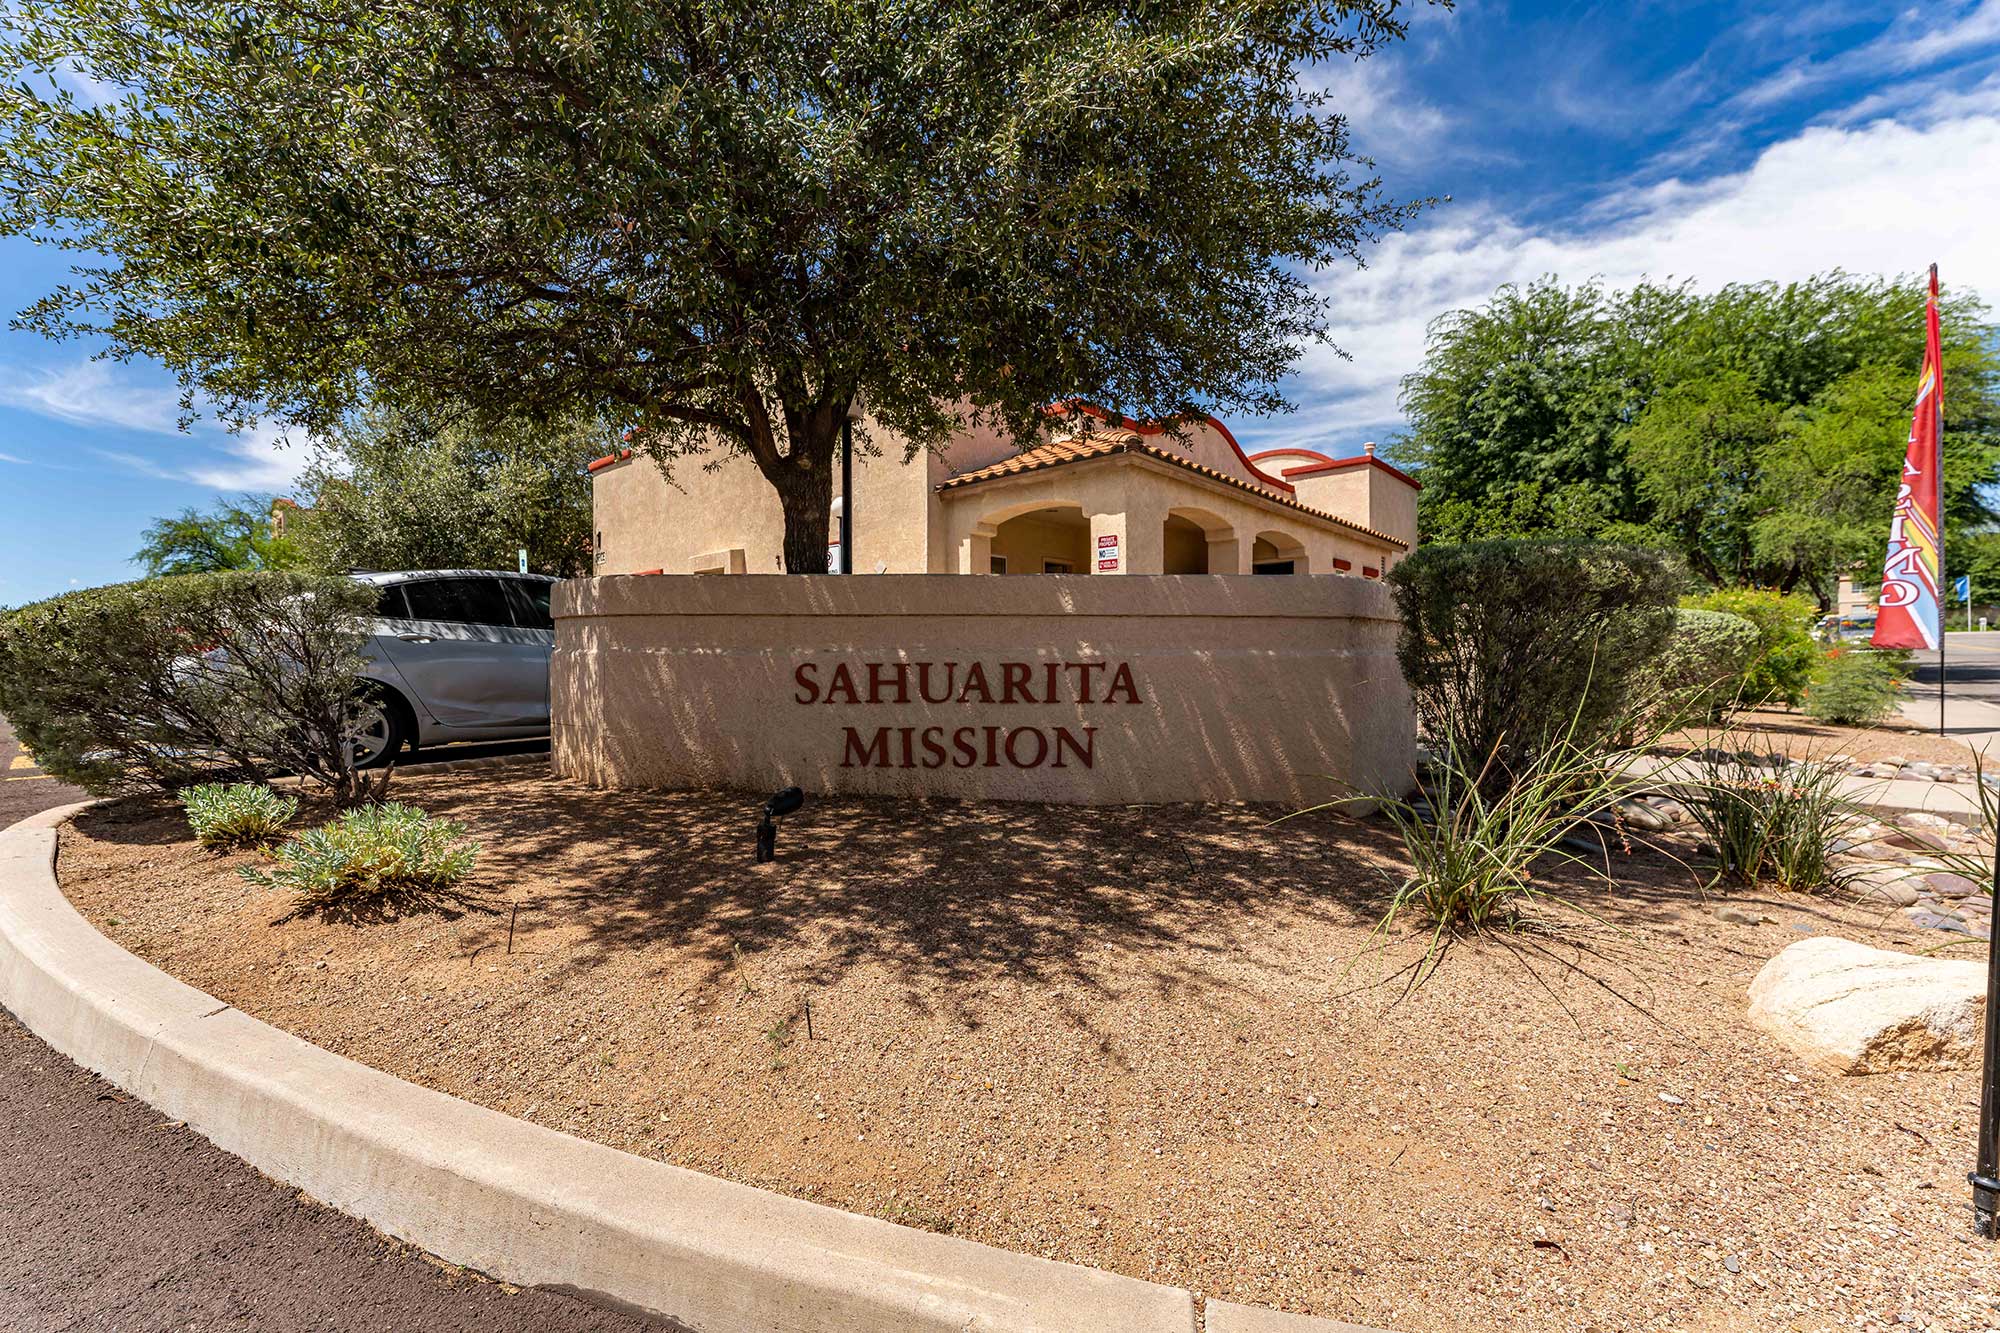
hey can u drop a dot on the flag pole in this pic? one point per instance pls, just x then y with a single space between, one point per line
1937 400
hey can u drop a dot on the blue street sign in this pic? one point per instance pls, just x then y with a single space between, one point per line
1961 587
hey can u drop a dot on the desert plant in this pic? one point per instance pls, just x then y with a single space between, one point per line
167 682
1852 688
1781 665
1699 672
370 858
1510 645
1777 823
236 814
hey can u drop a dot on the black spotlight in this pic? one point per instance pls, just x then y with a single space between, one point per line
784 803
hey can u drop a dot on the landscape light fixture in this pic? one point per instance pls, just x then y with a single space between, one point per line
784 803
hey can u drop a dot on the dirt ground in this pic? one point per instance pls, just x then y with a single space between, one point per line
1159 1041
1795 733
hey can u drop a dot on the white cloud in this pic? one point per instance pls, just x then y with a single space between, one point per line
1387 121
90 393
1919 37
1885 197
10 458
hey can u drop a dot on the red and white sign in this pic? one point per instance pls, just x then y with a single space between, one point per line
1107 553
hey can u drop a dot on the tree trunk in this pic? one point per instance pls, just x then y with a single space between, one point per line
803 479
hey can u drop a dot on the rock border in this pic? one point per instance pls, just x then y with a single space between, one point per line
522 1203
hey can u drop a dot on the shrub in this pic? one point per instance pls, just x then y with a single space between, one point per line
1853 689
1509 644
1699 673
1781 667
237 814
1769 823
172 681
370 859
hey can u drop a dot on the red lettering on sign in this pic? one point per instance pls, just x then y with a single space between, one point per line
842 684
875 755
877 680
976 676
933 747
1121 679
807 675
924 682
1014 682
1087 751
1041 747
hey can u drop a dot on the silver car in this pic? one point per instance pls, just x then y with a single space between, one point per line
456 655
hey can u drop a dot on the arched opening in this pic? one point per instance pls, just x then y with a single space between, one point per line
1277 553
1195 541
1054 539
1184 546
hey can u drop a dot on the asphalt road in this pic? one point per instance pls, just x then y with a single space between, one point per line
1972 667
114 1218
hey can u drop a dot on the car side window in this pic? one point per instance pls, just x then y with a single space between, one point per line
389 603
531 603
459 601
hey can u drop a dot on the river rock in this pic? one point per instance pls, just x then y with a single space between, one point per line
1945 884
1889 887
1848 1009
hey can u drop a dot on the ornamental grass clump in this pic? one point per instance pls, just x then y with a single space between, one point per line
1770 823
372 862
236 814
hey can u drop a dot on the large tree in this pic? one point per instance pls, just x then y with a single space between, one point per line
1758 430
226 536
718 220
395 489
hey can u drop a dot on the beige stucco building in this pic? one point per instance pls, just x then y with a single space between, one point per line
1104 496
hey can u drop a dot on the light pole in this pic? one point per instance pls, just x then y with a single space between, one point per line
847 484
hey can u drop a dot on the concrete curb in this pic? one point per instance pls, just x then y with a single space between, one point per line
525 1204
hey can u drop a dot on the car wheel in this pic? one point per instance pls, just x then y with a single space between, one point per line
380 730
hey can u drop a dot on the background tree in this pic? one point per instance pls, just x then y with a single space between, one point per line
403 490
719 220
1758 431
207 541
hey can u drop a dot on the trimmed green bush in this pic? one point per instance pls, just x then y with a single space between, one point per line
1509 645
236 814
369 859
1782 666
168 682
1853 689
1699 672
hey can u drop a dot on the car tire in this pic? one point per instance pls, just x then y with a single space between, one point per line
382 728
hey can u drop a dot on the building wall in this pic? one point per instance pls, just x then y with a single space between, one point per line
722 503
1130 690
1368 495
1029 542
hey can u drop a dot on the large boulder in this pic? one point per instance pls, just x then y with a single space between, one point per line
1849 1009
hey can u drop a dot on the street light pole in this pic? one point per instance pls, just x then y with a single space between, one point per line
854 410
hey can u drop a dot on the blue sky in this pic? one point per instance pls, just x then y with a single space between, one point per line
1716 142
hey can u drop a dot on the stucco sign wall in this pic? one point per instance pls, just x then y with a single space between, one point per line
1075 689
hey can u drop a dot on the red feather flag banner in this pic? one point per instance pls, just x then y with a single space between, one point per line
1909 614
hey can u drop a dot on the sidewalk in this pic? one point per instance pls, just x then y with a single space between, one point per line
1972 722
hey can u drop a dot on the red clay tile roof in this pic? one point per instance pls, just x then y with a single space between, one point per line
1055 453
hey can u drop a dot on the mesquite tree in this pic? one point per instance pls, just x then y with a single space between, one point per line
715 220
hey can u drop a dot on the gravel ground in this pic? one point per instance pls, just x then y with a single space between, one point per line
112 1218
1161 1041
1793 733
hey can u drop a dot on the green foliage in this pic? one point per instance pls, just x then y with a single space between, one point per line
1757 431
1510 644
370 859
720 221
236 814
168 682
1699 673
1479 854
400 490
1763 823
227 536
1853 688
1786 656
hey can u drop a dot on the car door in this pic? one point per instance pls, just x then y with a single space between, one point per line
464 656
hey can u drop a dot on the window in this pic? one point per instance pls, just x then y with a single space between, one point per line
530 598
997 565
459 601
1057 567
1273 567
389 604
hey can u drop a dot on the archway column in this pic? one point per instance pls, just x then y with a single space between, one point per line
975 550
1228 552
